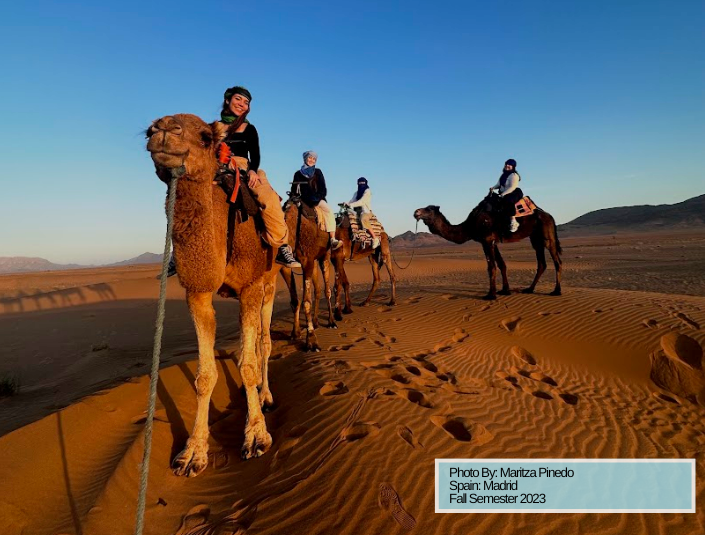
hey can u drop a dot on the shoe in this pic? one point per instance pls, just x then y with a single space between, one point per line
513 226
375 243
335 244
285 257
171 271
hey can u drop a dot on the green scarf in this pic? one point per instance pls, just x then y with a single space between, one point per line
229 117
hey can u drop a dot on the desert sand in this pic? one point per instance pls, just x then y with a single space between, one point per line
357 426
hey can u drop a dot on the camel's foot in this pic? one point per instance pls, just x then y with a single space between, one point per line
557 291
266 400
490 297
364 303
312 343
332 324
257 440
527 291
347 310
392 303
192 460
337 315
504 291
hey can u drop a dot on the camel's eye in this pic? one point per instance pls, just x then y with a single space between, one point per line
206 138
149 132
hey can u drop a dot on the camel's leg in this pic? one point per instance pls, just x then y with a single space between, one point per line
265 395
558 264
325 268
194 457
316 296
503 270
342 287
489 249
537 244
311 341
294 303
257 439
387 259
375 280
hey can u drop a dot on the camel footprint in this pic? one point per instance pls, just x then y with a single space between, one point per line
523 354
414 396
408 436
389 501
360 430
333 388
287 445
462 429
510 324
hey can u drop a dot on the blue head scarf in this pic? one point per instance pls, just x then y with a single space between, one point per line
361 187
308 170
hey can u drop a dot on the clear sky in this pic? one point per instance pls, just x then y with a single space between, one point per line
602 104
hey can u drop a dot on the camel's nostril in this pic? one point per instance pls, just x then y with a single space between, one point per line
176 130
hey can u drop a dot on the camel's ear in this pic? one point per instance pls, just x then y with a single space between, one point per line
220 130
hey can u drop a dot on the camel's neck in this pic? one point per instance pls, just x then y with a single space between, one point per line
440 226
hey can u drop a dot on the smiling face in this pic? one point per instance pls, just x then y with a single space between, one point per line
508 167
310 160
239 104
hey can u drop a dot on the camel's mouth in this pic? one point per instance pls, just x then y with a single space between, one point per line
418 214
169 160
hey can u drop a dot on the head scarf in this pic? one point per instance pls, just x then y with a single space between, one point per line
505 174
361 188
309 170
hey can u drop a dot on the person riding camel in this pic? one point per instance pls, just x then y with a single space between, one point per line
310 184
242 140
362 202
509 191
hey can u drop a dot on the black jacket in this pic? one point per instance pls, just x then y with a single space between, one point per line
312 190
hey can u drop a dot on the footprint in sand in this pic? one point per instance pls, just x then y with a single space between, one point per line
665 397
441 348
462 429
523 354
376 365
287 445
686 320
460 335
408 436
413 370
510 324
570 399
416 397
360 430
467 317
394 376
340 348
389 501
333 388
430 367
394 358
650 323
196 516
450 297
358 340
485 308
541 394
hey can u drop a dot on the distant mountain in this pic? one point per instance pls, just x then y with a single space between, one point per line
144 258
680 216
25 264
420 239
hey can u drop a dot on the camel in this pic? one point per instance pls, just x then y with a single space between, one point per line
338 258
310 245
215 254
483 225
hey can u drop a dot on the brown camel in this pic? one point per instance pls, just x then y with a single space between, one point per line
485 226
310 245
214 254
338 258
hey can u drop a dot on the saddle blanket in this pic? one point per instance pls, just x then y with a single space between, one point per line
525 207
360 235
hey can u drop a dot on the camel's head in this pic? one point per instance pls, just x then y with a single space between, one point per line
427 214
184 139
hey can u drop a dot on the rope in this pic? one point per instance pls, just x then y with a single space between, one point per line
154 374
413 252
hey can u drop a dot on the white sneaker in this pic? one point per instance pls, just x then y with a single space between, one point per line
513 226
375 243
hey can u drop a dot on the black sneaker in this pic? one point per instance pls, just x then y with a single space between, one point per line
286 258
171 270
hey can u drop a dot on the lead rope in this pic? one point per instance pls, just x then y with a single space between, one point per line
154 374
413 252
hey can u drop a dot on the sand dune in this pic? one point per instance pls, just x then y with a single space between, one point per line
357 426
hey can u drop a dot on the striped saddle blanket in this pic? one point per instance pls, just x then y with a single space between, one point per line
360 235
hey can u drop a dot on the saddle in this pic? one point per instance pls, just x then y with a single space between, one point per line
525 206
312 213
360 235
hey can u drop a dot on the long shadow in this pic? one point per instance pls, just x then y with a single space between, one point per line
213 413
69 493
236 397
104 291
179 433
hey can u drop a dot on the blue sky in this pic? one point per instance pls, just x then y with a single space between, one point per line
601 103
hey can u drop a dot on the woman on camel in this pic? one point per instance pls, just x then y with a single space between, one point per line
362 201
509 192
310 184
243 141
